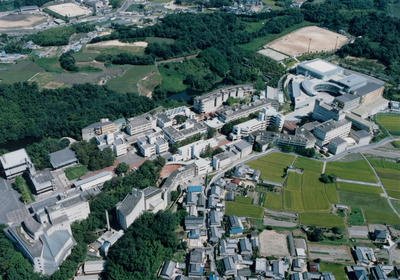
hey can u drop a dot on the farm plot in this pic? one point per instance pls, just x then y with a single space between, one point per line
313 190
358 170
272 166
308 165
310 39
293 181
330 253
273 201
391 122
278 248
19 72
331 193
336 269
20 21
293 200
389 173
243 210
375 207
321 219
358 188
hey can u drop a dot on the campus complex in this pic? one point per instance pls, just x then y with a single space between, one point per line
340 105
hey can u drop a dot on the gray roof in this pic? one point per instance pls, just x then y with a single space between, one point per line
361 134
14 158
151 191
62 158
126 206
369 87
92 178
241 145
168 268
42 180
331 124
337 141
196 256
346 97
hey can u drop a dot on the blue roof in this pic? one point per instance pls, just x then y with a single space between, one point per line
213 277
195 188
236 230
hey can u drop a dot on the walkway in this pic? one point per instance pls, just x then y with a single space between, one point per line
357 182
381 185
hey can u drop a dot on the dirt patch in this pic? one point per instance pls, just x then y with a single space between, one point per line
273 243
329 253
20 21
308 39
70 10
116 43
53 85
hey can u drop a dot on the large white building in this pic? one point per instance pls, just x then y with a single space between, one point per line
94 181
140 124
331 129
114 141
15 163
243 129
152 144
134 204
194 150
210 102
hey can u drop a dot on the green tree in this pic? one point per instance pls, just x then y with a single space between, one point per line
180 119
121 168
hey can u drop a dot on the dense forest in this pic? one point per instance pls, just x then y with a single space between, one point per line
28 112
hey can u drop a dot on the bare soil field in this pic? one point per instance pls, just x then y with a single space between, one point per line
314 38
116 43
69 10
329 253
20 21
277 248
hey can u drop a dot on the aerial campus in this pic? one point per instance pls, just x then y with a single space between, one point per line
152 139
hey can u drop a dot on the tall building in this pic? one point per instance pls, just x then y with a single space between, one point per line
15 163
105 126
331 129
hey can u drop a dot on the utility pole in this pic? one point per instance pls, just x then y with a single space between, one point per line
309 45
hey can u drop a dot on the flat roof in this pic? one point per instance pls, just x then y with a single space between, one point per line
92 178
321 66
62 158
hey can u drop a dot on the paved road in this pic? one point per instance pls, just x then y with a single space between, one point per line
358 182
381 185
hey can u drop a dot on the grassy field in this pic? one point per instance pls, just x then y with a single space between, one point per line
358 188
75 172
321 219
293 200
308 165
314 196
336 269
389 173
128 81
272 165
273 201
331 193
293 181
396 205
257 43
375 207
243 210
242 199
50 64
19 72
355 217
358 170
391 122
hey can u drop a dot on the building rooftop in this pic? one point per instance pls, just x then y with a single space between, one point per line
92 178
129 202
369 87
331 125
62 158
346 97
151 191
320 66
15 158
337 141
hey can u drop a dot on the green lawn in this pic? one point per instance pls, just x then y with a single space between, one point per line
358 188
293 200
272 166
50 64
391 122
293 181
396 144
75 172
336 269
128 81
273 201
242 199
243 210
355 217
358 170
375 207
396 204
321 219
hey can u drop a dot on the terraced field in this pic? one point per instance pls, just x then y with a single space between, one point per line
389 173
273 201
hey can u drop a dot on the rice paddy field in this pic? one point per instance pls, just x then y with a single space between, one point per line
358 188
273 201
321 219
391 122
336 269
389 173
293 200
272 166
243 210
358 170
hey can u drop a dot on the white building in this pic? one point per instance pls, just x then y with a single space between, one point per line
134 204
244 129
114 141
15 163
152 144
94 181
194 150
203 166
140 124
337 145
331 129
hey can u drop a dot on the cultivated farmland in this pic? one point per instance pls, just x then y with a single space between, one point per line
358 170
321 219
272 166
391 122
273 201
243 210
389 173
358 188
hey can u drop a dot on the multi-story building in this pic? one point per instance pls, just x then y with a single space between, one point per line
105 126
194 150
189 128
347 101
140 124
323 112
15 163
229 114
152 144
331 129
134 204
210 102
96 180
272 117
243 129
114 141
